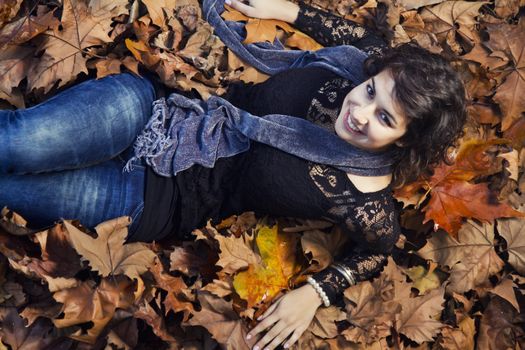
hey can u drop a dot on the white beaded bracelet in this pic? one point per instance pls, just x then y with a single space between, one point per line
319 291
347 273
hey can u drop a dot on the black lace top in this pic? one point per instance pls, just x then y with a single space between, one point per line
273 182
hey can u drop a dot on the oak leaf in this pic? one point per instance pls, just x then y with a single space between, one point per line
107 253
472 256
218 317
278 264
416 318
513 230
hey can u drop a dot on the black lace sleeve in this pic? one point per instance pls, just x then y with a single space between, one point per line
375 234
331 30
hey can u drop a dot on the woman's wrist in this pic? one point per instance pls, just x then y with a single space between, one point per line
316 292
289 12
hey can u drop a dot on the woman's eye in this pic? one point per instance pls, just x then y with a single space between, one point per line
384 118
370 90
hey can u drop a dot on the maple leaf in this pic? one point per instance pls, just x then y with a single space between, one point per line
179 295
218 317
509 95
416 317
107 253
453 197
472 257
372 306
90 303
235 254
82 26
513 230
268 278
450 17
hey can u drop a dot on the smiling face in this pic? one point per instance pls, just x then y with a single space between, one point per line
370 119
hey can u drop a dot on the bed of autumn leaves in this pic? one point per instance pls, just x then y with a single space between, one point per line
456 280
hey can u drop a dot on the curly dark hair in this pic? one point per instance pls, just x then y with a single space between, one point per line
432 96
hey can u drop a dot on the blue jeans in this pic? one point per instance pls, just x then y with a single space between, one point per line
64 157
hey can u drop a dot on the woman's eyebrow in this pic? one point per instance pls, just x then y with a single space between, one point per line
390 115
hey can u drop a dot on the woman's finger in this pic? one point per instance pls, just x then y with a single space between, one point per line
241 7
279 339
269 336
267 322
268 311
295 336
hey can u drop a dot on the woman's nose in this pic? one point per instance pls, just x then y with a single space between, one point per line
362 113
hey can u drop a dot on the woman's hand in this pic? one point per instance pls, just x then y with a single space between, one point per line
267 9
289 315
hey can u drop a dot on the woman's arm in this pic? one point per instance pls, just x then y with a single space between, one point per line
326 28
377 232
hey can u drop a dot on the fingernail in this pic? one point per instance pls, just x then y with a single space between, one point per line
286 346
228 2
255 347
259 318
248 336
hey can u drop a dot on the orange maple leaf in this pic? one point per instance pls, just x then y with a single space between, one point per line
453 197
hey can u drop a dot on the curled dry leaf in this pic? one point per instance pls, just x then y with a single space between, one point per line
461 338
320 247
90 303
107 253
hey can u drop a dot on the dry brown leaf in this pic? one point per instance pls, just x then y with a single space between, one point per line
90 303
513 230
219 288
415 4
107 253
451 17
506 290
218 317
8 10
15 62
146 313
416 319
179 296
320 247
461 338
82 26
235 254
156 10
323 325
26 28
472 257
500 326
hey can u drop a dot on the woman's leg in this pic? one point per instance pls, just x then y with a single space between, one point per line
84 125
91 195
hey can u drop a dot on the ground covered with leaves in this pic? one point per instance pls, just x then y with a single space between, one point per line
456 280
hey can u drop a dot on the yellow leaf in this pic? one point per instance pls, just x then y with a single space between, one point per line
263 281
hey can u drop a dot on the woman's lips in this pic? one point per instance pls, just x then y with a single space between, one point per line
349 125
